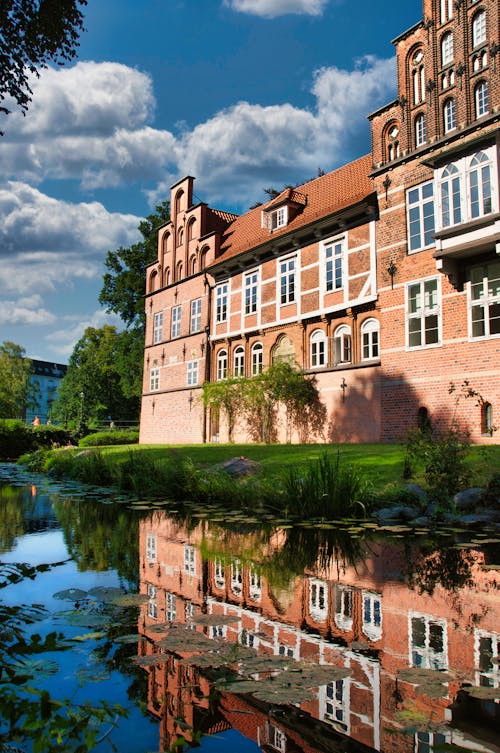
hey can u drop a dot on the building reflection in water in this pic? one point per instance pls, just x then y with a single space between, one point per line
380 611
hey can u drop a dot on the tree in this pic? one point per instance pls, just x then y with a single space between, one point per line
16 388
123 285
32 34
91 390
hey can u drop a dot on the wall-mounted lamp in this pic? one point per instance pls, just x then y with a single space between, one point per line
428 24
392 269
429 87
494 49
184 351
343 387
460 70
402 101
190 400
153 404
163 355
387 182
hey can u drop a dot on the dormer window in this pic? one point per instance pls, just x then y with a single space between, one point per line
275 218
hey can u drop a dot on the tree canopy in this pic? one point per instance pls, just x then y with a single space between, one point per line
32 34
124 283
16 387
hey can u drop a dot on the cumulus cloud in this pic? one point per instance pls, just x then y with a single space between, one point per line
273 8
26 311
63 340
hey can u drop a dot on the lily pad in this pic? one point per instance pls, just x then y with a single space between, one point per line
71 594
106 593
39 668
84 619
179 639
130 638
419 676
91 674
152 660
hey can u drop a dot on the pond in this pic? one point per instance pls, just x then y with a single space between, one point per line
165 627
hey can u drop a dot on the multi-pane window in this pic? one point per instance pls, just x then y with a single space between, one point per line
195 325
487 658
372 615
287 280
318 599
343 607
428 642
151 541
192 373
221 298
420 130
189 559
219 574
152 604
239 362
420 208
158 327
418 77
278 218
175 329
467 189
479 28
336 704
446 10
370 340
170 607
251 287
333 266
423 314
484 300
257 359
449 115
319 348
154 378
430 742
481 99
255 585
342 344
236 577
447 49
221 365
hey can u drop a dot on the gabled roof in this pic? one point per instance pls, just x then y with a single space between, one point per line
323 196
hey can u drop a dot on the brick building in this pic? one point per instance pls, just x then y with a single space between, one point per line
381 278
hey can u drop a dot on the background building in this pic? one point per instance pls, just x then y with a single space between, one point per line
45 380
381 278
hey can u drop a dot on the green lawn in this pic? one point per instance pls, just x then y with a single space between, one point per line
383 463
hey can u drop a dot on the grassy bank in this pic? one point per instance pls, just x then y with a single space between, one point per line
327 480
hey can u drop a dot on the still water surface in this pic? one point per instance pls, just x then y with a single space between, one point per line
250 636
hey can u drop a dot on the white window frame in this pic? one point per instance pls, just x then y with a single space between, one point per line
342 345
151 547
483 297
487 676
239 361
426 656
370 340
236 577
318 599
333 264
154 379
447 49
479 29
420 130
450 115
254 584
152 603
446 10
175 329
189 559
219 574
372 615
257 358
195 325
481 99
335 705
318 349
221 302
420 216
427 305
158 327
251 292
287 280
170 606
192 373
343 598
471 184
277 218
221 373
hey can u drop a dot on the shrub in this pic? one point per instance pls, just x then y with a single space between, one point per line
111 437
443 456
491 495
16 438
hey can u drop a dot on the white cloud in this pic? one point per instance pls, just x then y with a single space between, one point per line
62 341
273 8
26 311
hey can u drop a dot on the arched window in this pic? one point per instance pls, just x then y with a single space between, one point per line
180 236
423 419
166 243
446 49
283 351
392 141
451 212
166 276
420 130
191 228
221 365
342 345
179 201
319 349
257 359
418 76
487 419
480 185
153 281
449 115
370 339
479 29
446 10
179 271
203 257
481 99
192 265
239 362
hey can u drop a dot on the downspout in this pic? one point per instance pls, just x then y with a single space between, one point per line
208 353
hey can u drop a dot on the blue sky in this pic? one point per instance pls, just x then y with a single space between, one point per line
241 94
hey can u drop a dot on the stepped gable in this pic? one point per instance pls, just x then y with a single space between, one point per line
318 198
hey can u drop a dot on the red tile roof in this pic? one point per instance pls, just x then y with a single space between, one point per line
325 195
